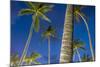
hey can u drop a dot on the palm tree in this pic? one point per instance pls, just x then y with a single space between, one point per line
37 10
32 58
50 32
78 45
14 59
66 47
86 57
79 14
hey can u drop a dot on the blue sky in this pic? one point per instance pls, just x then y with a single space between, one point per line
20 26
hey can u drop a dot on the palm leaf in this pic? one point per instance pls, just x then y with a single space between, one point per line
86 57
44 34
14 59
36 62
25 11
46 8
76 17
79 44
27 60
32 58
44 17
79 10
30 5
35 55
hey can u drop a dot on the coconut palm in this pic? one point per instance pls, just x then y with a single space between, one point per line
14 59
86 57
32 58
79 14
37 10
50 32
66 47
78 45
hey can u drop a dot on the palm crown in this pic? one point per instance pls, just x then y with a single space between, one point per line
14 59
77 10
32 58
50 32
77 44
37 10
86 57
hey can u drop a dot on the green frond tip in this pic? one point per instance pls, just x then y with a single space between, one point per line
35 62
30 5
34 56
44 17
46 8
25 12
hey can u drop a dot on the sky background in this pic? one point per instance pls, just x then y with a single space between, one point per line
20 26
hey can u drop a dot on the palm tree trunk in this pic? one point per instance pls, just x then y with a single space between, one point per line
48 50
78 54
90 41
73 57
26 45
66 47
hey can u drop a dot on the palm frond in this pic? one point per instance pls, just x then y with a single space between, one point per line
36 62
44 34
76 17
78 9
30 5
86 57
27 60
32 58
35 55
44 17
46 8
79 44
14 59
26 12
50 32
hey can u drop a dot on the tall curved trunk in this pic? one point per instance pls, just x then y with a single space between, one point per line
26 45
90 41
73 57
48 50
78 54
66 47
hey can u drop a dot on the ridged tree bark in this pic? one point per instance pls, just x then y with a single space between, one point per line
66 47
